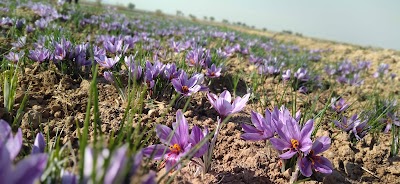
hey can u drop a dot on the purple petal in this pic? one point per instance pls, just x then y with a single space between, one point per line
150 178
117 164
223 107
256 119
212 98
253 136
5 130
39 144
181 128
14 144
305 167
156 151
321 144
68 178
249 128
322 165
239 103
164 133
287 155
177 85
29 169
226 95
279 144
196 137
307 130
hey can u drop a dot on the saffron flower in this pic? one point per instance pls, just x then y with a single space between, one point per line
15 57
26 170
107 62
39 145
186 86
389 121
213 72
171 71
176 143
302 75
224 104
286 75
292 139
339 105
360 129
347 124
313 161
263 127
135 68
39 55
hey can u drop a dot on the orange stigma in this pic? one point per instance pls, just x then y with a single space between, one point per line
295 143
185 89
175 148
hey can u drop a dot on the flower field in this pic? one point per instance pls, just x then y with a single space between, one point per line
94 94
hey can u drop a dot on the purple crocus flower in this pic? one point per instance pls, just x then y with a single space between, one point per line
302 74
186 86
135 69
224 105
176 143
383 69
313 161
108 76
263 127
113 48
39 55
59 52
171 71
360 129
39 145
213 72
286 75
107 62
292 139
28 169
339 105
15 57
12 143
347 124
113 173
389 121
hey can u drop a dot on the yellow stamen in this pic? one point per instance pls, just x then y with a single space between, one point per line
295 143
175 148
185 89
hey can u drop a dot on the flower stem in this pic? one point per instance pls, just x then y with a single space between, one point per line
187 104
295 174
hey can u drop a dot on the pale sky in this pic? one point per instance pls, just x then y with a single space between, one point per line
363 22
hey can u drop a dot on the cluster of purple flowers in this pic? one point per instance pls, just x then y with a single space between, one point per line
348 73
287 135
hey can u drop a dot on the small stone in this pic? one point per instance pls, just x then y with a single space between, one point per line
57 114
55 108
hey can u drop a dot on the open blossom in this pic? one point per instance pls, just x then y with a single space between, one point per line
176 143
389 121
263 127
292 138
224 104
15 57
213 72
360 129
313 161
302 74
135 68
339 105
186 86
347 124
39 55
171 71
286 75
107 62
